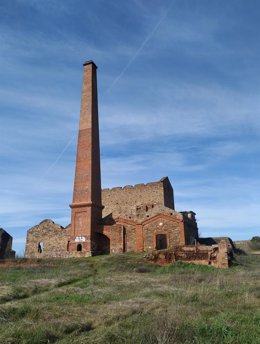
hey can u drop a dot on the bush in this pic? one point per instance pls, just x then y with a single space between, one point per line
256 239
255 243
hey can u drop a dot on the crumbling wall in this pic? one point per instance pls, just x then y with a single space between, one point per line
151 229
216 240
52 237
216 255
6 241
120 200
190 228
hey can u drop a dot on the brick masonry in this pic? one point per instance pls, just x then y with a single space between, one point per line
86 208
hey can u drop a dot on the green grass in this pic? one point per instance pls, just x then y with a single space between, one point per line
125 299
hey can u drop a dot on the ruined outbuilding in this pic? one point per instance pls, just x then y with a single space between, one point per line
136 218
6 241
48 240
215 255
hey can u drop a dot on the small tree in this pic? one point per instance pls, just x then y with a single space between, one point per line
255 243
255 239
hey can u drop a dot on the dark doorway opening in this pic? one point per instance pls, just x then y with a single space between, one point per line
79 247
4 239
161 241
102 244
124 239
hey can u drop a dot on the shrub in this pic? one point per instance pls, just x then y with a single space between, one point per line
255 243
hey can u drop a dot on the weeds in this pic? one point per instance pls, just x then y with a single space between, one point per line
125 300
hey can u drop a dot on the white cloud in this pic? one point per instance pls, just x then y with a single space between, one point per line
40 99
37 100
188 109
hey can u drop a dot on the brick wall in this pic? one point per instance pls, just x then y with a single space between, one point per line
130 238
114 234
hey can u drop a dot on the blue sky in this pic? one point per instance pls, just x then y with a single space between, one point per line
179 84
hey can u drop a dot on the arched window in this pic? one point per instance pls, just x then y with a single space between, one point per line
79 247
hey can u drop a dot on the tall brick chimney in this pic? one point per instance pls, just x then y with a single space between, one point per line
86 207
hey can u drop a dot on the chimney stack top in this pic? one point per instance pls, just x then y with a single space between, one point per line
89 62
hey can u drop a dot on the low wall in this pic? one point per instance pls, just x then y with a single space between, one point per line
216 255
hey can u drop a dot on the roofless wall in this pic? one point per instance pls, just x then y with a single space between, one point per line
130 196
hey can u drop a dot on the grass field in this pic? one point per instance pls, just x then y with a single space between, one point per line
124 299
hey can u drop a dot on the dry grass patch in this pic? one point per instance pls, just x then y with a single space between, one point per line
123 299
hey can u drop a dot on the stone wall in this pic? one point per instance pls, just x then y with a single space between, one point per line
215 255
161 226
114 236
53 239
124 200
191 231
6 241
157 227
216 240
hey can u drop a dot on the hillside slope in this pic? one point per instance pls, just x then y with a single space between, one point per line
123 299
248 246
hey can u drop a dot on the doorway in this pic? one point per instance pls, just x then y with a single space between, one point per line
161 241
102 244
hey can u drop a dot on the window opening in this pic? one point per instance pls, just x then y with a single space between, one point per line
40 247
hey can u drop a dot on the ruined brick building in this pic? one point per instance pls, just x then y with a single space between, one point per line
132 218
6 241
